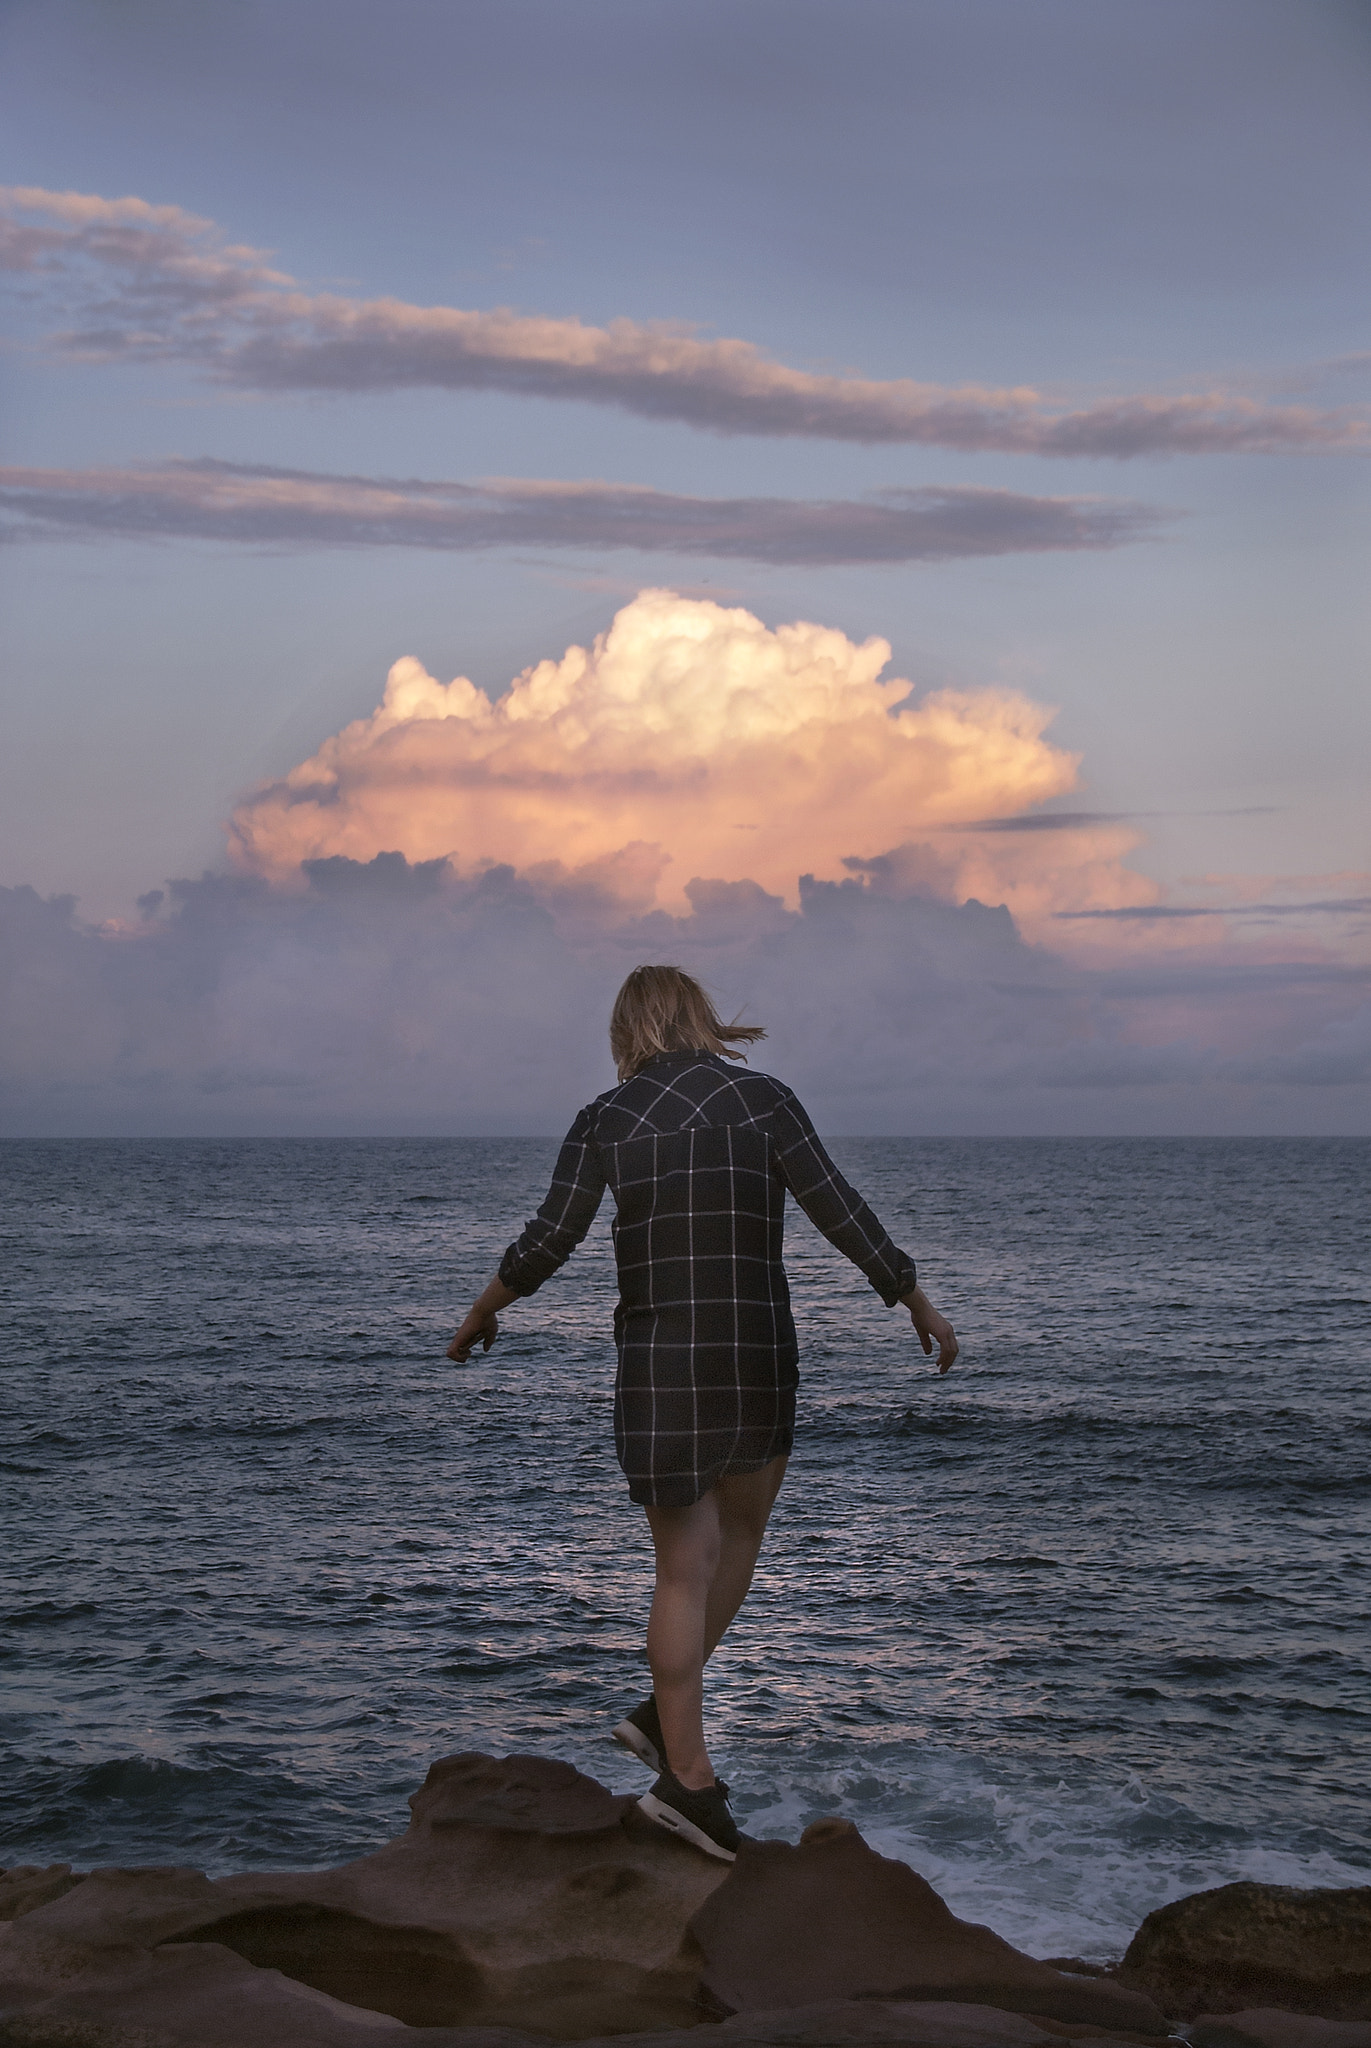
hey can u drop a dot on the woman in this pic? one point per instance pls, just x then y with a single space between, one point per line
700 1158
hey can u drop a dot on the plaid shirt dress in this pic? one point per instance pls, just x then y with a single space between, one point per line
700 1155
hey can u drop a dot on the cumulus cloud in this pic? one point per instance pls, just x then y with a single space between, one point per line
154 283
390 996
427 920
226 501
692 741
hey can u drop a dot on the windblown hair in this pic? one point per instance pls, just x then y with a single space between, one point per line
664 1009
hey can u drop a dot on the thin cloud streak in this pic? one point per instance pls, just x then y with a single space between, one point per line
1049 821
1337 907
1075 821
223 501
154 283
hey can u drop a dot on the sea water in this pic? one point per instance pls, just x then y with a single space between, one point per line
1074 1630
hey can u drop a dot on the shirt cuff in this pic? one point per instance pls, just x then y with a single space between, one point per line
510 1273
905 1283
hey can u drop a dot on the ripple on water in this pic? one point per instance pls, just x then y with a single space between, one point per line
1076 1630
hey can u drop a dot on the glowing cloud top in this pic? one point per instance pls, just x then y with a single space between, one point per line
692 741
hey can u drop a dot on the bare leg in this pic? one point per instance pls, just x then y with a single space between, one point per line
688 1546
745 1503
705 1559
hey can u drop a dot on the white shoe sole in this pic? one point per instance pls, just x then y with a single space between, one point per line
629 1736
677 1824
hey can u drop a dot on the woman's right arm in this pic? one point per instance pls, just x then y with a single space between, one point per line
480 1324
545 1242
548 1239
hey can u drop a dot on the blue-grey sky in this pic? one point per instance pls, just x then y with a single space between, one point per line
1030 338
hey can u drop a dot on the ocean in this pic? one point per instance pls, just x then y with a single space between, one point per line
1075 1630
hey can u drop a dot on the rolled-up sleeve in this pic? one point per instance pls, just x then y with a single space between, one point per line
549 1238
834 1206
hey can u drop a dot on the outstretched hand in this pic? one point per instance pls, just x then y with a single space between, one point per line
480 1324
476 1328
932 1328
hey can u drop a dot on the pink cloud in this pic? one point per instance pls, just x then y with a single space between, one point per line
736 752
155 283
259 506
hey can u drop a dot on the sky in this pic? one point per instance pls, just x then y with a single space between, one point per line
866 499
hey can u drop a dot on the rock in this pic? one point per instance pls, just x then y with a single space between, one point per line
831 1919
1247 1946
197 1994
828 1830
1267 2028
94 1934
474 1917
921 2023
26 1885
213 2008
527 1904
522 1795
870 2023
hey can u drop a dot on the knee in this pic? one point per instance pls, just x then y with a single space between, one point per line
691 1562
742 1525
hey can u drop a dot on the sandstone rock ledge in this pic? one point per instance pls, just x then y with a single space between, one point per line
527 1904
1259 1946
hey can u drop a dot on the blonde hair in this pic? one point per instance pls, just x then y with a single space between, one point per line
664 1009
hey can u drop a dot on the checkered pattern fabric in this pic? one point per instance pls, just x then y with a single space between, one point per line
699 1155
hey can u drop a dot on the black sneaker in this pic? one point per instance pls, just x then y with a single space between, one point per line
699 1817
641 1732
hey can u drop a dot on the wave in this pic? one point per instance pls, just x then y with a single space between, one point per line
150 1809
48 1614
1056 1868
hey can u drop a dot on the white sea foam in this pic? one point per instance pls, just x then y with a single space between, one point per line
1066 1892
1067 1871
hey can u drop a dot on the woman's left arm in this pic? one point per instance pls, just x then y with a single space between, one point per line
838 1210
932 1328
